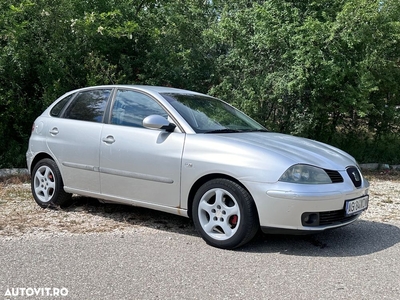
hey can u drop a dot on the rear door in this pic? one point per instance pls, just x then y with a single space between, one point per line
138 163
74 139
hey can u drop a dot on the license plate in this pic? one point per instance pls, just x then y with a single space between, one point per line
356 205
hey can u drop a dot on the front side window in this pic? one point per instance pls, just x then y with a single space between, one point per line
130 108
88 106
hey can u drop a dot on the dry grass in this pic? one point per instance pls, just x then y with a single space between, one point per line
384 196
20 215
7 180
383 175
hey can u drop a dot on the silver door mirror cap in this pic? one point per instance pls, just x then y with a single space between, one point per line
158 122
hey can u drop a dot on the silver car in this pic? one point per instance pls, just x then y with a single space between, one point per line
192 155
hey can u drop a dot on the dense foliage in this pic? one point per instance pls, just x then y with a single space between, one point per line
327 70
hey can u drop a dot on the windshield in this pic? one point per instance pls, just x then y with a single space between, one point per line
210 115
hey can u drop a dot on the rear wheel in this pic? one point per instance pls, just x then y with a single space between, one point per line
224 214
47 185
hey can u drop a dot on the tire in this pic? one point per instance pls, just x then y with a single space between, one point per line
47 185
224 214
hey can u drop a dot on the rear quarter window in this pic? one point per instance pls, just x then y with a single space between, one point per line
58 108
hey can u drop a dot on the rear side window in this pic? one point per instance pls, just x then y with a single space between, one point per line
56 110
88 106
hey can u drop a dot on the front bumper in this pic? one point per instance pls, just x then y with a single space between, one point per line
282 207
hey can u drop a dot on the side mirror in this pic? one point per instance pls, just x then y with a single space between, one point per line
158 122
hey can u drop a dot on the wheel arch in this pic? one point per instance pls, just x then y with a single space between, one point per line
38 158
203 180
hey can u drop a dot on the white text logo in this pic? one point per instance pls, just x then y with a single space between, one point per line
30 292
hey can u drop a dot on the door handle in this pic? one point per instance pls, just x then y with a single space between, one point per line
109 139
54 131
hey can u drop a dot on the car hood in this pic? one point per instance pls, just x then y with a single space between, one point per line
293 150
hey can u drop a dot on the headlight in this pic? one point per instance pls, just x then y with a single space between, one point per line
305 174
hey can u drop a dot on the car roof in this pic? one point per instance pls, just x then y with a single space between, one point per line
145 88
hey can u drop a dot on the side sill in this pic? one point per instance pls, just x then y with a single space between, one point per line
103 198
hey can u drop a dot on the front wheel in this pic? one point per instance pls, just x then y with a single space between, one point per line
47 185
224 214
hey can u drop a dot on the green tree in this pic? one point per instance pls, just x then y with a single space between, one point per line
178 52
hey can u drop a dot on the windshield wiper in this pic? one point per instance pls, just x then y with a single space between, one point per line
256 130
225 130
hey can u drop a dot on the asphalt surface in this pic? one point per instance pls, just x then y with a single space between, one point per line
360 261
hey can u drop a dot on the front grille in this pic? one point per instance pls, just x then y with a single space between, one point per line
355 176
332 217
334 176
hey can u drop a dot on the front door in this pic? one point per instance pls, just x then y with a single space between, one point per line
138 163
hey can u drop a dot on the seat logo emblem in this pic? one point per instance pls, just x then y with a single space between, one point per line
356 176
